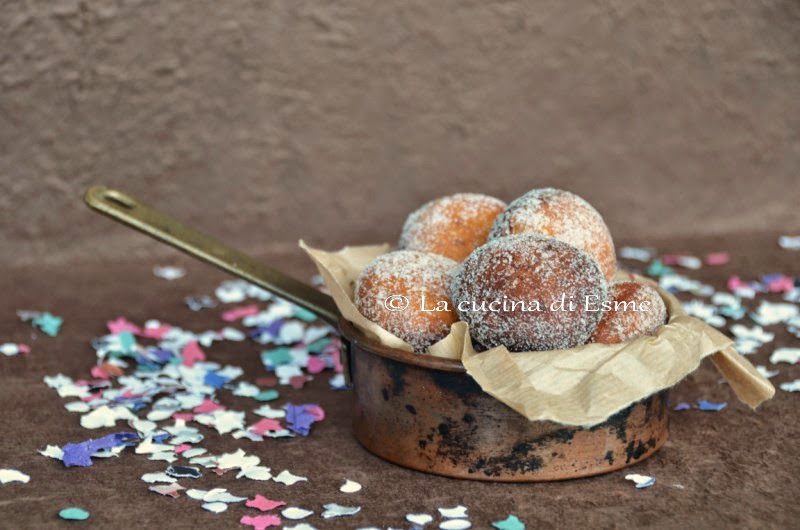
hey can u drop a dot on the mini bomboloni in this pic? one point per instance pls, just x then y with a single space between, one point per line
451 226
390 290
564 216
543 275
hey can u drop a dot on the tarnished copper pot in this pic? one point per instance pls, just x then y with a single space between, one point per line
420 411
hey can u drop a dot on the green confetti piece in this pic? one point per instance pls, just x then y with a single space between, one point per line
127 341
267 395
304 314
318 345
49 324
657 268
276 357
74 514
511 522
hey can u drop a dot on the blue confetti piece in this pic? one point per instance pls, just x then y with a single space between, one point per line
49 324
708 405
215 380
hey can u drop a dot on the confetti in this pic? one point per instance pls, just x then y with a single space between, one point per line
682 406
420 519
638 254
793 386
300 417
455 524
74 514
152 478
789 242
260 522
215 507
511 522
10 349
350 486
13 475
708 405
785 355
769 314
641 481
337 510
169 272
286 477
715 259
49 324
80 454
454 512
262 503
766 372
296 513
168 490
183 472
196 303
238 313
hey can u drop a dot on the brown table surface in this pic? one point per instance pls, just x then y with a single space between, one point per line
734 468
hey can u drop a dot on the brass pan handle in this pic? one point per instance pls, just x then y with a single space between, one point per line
127 210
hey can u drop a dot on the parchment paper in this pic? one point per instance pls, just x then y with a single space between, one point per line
579 386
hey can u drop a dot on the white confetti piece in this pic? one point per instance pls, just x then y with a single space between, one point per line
237 460
455 524
152 478
300 526
793 386
641 481
147 446
52 451
766 372
337 510
295 513
105 416
420 519
785 355
13 475
255 473
286 477
789 242
269 412
77 406
756 333
454 512
169 272
215 507
769 313
164 456
638 254
350 486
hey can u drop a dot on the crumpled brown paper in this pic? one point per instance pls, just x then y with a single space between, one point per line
579 386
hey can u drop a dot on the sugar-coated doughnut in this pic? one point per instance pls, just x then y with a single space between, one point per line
542 272
412 275
451 226
635 309
564 216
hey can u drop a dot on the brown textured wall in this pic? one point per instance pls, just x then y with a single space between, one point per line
253 119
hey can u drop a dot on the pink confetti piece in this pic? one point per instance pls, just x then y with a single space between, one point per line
182 447
781 284
23 348
316 411
122 324
264 425
155 332
262 503
192 353
297 381
207 406
672 259
240 312
717 258
316 365
185 416
260 522
98 372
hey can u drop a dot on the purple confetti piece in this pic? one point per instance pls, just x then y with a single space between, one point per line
80 454
682 406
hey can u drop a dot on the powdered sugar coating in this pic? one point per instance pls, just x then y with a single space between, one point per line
411 274
564 216
624 323
537 270
451 226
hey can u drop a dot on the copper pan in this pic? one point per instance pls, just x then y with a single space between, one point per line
420 411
